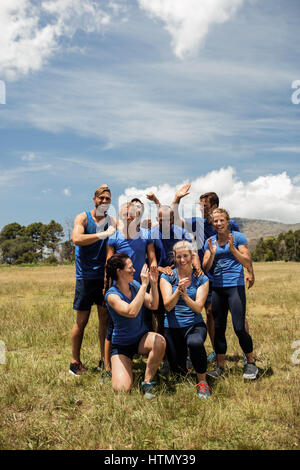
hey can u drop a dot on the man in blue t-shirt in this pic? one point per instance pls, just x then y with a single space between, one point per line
164 235
90 233
203 229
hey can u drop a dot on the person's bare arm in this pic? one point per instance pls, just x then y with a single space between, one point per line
209 255
109 253
131 310
196 264
152 197
250 278
182 192
170 299
198 304
152 299
241 254
82 239
151 255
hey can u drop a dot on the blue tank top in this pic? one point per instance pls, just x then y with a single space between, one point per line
126 330
90 260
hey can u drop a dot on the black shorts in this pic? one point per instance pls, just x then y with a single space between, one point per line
87 293
128 351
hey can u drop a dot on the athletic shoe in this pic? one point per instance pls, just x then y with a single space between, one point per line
148 389
76 368
212 357
105 377
250 371
217 373
99 366
203 390
165 368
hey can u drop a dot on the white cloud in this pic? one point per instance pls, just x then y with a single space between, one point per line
30 32
189 21
29 157
66 192
271 197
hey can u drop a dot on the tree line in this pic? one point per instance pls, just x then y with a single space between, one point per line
38 242
34 243
284 247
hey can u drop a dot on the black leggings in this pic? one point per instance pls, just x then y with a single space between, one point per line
234 299
178 340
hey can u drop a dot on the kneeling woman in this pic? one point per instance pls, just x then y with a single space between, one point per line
184 296
125 302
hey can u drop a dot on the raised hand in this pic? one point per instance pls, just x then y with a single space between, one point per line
212 247
151 196
153 275
145 275
183 191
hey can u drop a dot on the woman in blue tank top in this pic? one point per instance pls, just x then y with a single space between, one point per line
226 254
184 296
125 302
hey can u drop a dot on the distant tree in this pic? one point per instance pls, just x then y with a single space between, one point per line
12 249
21 244
286 247
52 235
67 251
11 231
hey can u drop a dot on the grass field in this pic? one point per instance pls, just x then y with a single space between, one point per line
43 407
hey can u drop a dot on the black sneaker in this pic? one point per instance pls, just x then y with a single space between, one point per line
165 368
77 368
217 373
100 366
105 377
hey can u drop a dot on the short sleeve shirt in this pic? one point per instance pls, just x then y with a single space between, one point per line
226 270
126 331
182 316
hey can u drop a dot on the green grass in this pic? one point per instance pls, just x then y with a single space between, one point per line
43 407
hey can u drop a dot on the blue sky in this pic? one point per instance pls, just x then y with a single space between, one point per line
148 95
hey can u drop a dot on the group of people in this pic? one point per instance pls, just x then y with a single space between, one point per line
150 283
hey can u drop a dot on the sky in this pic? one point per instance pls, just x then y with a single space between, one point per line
148 95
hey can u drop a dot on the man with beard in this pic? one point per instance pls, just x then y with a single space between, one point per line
90 233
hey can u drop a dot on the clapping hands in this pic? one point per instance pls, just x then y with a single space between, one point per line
212 247
182 285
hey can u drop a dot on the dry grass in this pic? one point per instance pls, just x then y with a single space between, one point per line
43 407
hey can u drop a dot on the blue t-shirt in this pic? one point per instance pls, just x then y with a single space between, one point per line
182 316
135 248
90 259
126 330
226 271
164 245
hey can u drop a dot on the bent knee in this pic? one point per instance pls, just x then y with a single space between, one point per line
159 341
121 386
